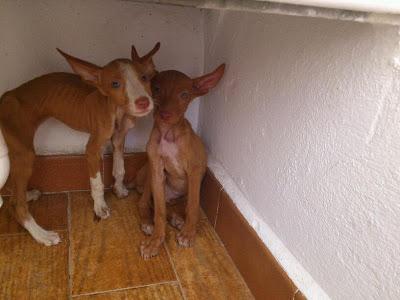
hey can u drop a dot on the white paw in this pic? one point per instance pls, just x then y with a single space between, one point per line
47 238
101 210
186 238
147 229
33 195
121 191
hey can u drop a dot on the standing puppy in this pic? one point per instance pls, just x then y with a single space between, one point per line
88 102
177 158
126 120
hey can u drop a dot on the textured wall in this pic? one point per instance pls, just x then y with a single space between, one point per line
306 122
390 6
99 31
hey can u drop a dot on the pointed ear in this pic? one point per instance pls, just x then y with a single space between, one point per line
149 55
134 54
203 84
86 70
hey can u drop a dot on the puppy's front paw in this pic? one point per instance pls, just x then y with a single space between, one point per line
186 238
47 238
120 191
101 210
147 228
176 221
151 247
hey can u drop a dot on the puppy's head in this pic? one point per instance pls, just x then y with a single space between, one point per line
126 82
173 91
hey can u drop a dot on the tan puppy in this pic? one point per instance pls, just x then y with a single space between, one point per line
177 158
91 102
125 121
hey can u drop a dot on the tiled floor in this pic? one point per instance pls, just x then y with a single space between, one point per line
101 260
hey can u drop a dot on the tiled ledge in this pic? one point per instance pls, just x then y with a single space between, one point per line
60 173
262 273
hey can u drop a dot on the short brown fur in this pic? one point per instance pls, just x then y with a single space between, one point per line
90 105
177 159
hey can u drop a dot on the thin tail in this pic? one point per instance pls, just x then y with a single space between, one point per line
4 163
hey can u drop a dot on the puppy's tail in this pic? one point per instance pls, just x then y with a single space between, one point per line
4 163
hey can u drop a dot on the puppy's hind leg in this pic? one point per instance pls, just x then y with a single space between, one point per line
139 181
93 155
21 171
33 195
175 207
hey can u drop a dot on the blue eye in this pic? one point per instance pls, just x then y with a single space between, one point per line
115 84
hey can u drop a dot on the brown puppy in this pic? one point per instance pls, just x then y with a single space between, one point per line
126 120
177 158
89 102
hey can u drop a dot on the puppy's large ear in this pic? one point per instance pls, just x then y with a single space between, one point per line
203 84
146 58
134 54
151 53
86 70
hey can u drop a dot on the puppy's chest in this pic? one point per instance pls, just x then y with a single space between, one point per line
169 152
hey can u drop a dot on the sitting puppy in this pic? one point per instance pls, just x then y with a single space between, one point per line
177 158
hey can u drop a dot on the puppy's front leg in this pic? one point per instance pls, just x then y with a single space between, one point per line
186 236
118 142
145 211
150 247
93 155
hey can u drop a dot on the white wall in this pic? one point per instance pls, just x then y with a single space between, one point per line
98 31
387 6
306 123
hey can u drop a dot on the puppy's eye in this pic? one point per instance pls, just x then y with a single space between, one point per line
144 78
115 84
184 95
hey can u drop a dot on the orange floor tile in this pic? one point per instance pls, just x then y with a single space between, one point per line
101 260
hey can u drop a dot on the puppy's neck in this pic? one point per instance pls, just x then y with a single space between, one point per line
169 132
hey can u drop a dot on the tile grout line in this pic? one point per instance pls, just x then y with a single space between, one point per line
176 273
65 192
219 239
126 288
69 247
218 204
3 235
221 243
